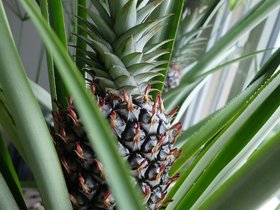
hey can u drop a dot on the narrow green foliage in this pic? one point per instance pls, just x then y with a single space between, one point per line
8 172
269 67
126 17
235 3
236 138
7 200
81 45
45 166
56 21
212 127
176 8
253 184
45 12
211 57
8 123
125 45
101 137
116 6
254 16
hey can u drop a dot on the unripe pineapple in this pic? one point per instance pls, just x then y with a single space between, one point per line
173 77
121 65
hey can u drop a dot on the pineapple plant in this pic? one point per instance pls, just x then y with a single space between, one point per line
121 65
144 133
190 40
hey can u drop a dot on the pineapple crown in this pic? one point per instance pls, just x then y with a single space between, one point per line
118 33
189 41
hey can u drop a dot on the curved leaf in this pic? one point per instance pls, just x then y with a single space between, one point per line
56 21
100 134
7 200
80 43
8 123
42 95
8 172
45 12
37 145
254 16
169 33
214 55
218 120
238 132
253 184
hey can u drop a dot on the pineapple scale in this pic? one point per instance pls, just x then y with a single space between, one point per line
145 140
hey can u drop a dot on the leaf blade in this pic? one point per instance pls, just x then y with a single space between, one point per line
94 122
46 167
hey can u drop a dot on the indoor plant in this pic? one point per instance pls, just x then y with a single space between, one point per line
218 138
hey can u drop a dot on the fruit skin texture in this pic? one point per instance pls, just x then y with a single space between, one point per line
121 62
145 140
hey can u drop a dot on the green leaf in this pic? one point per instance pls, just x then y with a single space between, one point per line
145 11
42 95
7 200
103 28
37 145
102 12
152 56
188 99
239 159
147 37
8 171
193 129
116 6
98 130
8 123
7 160
126 17
269 67
178 188
111 59
216 123
56 21
52 82
238 132
177 96
254 16
214 55
140 68
204 135
132 58
235 3
253 184
220 66
116 71
135 33
169 33
81 45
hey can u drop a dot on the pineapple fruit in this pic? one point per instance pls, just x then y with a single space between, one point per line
173 77
121 64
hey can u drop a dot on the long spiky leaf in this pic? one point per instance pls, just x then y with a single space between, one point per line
100 134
